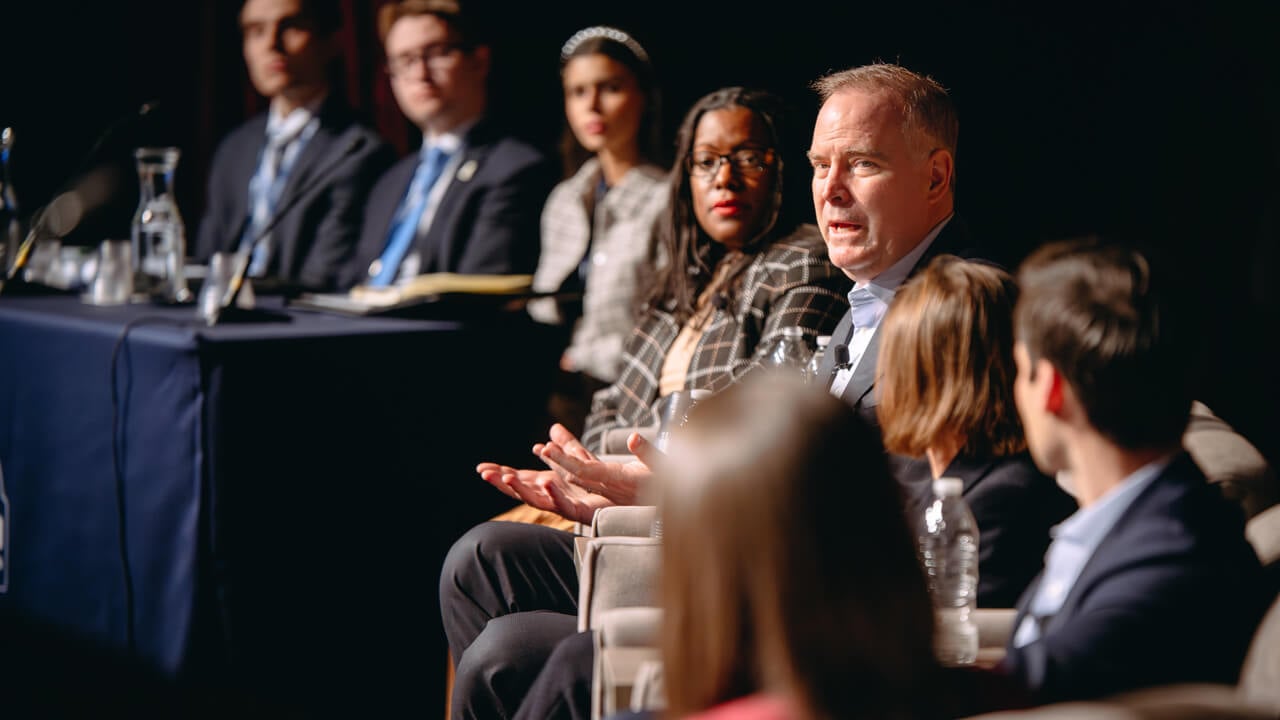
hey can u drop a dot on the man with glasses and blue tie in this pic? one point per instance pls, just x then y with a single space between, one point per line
289 185
471 200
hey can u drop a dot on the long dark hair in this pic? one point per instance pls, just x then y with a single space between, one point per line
691 254
623 49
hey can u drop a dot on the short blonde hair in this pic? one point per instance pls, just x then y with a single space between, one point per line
450 11
946 361
925 105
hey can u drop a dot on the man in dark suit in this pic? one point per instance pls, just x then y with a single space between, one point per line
883 157
471 200
308 142
1152 580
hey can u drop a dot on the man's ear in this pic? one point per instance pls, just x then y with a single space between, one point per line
1055 396
942 168
481 54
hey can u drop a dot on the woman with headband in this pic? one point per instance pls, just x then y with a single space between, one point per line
599 225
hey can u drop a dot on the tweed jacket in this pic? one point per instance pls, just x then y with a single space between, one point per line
790 284
622 252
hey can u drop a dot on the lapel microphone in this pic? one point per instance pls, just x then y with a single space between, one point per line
840 357
38 221
244 254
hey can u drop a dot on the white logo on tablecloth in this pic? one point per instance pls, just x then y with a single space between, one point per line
4 536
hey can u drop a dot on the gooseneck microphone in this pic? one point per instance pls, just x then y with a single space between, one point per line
38 221
244 254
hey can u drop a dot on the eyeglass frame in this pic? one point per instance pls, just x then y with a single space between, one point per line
436 56
769 156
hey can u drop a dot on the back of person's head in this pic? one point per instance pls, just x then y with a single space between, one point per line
788 566
1098 313
469 32
621 47
946 361
928 114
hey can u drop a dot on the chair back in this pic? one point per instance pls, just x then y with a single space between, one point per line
1260 676
1230 461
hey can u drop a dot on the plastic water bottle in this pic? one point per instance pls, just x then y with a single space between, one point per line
790 351
949 554
815 362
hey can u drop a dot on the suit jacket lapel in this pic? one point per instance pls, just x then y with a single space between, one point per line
839 336
317 148
437 244
859 390
242 172
969 470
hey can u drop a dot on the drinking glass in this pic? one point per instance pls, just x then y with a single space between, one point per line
113 282
216 281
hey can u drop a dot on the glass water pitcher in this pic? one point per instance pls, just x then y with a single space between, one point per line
159 236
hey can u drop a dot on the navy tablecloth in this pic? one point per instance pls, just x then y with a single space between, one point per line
287 489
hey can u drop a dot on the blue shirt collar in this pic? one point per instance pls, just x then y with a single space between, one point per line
885 285
1087 526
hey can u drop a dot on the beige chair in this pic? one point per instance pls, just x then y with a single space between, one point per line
1231 461
618 564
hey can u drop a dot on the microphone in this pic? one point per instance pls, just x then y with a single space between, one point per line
38 221
244 255
841 359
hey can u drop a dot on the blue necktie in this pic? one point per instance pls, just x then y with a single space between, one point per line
266 185
405 226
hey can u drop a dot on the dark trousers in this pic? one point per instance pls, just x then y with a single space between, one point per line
563 689
508 596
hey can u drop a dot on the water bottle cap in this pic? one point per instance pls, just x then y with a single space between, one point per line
948 486
824 340
792 331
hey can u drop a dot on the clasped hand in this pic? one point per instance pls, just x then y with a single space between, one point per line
578 482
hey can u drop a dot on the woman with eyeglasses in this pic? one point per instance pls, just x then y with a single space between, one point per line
739 271
600 225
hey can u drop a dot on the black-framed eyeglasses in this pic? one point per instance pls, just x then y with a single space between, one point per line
747 161
440 56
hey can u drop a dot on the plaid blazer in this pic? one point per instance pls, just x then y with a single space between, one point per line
790 284
622 252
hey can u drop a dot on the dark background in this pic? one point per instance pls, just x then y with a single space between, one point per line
1151 119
